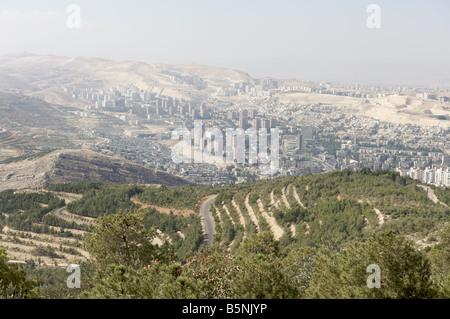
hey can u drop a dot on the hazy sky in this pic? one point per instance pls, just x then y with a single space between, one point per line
308 40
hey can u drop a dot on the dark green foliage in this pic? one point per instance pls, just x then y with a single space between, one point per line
11 203
440 261
30 211
443 194
294 215
193 239
253 198
341 219
176 196
339 205
298 265
157 281
213 267
13 282
75 187
170 225
405 272
52 282
122 239
398 197
105 201
410 224
46 251
259 272
55 221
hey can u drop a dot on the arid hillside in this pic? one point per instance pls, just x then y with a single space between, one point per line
47 74
79 165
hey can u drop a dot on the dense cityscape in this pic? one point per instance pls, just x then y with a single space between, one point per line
313 138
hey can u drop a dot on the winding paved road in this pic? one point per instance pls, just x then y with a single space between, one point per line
58 214
208 220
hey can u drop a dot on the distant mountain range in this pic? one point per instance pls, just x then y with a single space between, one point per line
35 73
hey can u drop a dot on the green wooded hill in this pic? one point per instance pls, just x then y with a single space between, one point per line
304 221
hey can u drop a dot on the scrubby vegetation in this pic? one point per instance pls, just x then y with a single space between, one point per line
175 197
75 188
443 194
333 227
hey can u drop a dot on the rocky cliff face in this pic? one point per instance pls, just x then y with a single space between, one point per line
79 165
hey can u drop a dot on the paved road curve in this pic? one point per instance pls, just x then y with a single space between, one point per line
58 214
208 220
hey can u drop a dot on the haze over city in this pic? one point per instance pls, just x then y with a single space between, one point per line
306 40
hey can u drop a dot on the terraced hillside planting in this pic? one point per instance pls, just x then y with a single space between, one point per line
30 230
344 205
51 225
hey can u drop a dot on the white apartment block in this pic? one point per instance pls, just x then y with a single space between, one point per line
435 176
